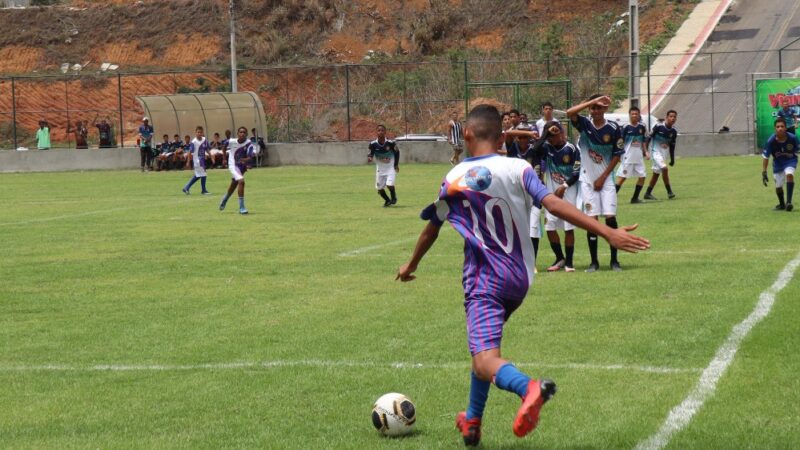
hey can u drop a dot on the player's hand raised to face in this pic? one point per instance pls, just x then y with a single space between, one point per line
603 101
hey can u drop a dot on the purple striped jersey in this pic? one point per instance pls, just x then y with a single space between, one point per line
487 199
198 149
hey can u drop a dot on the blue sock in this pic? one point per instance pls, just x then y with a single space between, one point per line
203 183
190 183
241 202
509 378
478 393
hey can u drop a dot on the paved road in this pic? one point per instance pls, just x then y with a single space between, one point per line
738 41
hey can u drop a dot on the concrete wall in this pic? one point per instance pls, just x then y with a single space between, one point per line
724 144
65 160
332 153
352 153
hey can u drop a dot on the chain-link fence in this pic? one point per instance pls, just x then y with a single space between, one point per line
346 102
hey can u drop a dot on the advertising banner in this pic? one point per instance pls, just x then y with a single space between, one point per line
769 96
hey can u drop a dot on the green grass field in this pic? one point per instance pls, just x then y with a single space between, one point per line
134 316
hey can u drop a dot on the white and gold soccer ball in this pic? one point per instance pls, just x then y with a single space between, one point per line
394 414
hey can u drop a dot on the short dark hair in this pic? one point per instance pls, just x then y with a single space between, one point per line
633 108
242 128
485 122
594 96
779 120
506 113
513 111
380 125
199 128
547 104
672 111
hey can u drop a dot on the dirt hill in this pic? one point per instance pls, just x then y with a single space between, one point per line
151 35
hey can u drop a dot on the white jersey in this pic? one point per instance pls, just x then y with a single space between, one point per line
487 199
198 148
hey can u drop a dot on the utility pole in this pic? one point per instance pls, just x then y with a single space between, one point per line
234 86
634 72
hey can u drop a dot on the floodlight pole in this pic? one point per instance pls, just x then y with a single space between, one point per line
633 32
234 86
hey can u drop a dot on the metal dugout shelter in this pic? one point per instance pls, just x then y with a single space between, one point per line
215 112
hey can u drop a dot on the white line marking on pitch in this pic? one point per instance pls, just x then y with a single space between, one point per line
681 415
321 363
361 250
148 205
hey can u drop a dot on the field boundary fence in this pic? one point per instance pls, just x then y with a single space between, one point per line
344 102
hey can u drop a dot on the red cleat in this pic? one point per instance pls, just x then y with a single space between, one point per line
470 429
527 418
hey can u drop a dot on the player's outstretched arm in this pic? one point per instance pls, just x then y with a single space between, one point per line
426 240
618 237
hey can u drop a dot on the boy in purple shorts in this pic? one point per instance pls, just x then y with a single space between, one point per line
487 199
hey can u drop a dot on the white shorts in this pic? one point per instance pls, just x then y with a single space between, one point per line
780 177
236 174
631 170
599 203
536 228
553 223
216 152
659 160
383 179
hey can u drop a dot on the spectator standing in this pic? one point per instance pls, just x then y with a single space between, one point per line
104 132
43 136
146 144
81 133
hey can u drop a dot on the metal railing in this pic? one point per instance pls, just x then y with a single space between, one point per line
345 102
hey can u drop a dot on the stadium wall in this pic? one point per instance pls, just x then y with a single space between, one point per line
330 153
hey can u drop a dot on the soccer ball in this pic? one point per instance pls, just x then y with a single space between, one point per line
394 415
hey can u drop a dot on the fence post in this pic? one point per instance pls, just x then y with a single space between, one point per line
405 115
119 102
347 96
649 105
466 88
288 111
14 111
597 75
711 64
548 67
66 103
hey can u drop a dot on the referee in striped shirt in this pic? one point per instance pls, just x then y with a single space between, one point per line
455 136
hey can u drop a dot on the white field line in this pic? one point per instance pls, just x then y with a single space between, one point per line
148 205
681 415
321 363
370 248
70 216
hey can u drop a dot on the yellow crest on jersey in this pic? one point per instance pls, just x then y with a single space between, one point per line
606 138
790 147
567 159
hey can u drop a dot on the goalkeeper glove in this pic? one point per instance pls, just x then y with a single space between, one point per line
764 178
